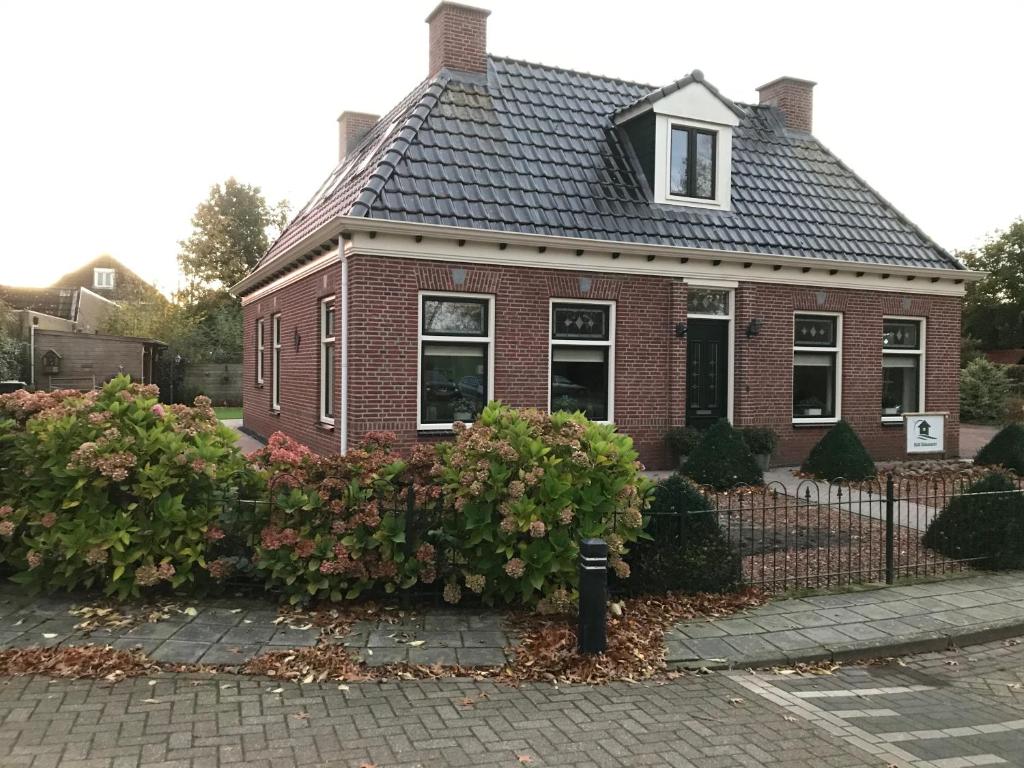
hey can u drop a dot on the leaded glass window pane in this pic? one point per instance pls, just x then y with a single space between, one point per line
901 334
707 301
814 331
454 317
586 322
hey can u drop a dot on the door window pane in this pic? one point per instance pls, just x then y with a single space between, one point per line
579 380
707 301
679 172
814 384
454 317
454 382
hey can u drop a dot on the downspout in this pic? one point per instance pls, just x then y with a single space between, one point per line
343 415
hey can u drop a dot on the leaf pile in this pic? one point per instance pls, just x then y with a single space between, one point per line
114 617
86 661
636 647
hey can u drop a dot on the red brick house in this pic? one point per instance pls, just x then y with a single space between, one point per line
652 256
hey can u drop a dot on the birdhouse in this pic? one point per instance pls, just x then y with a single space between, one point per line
51 361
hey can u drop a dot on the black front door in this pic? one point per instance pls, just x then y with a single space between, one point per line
707 372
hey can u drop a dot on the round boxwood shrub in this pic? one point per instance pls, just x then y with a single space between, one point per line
1006 449
840 454
723 460
986 521
682 441
683 548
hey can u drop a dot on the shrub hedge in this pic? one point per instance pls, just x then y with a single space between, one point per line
984 388
1005 449
683 547
986 521
840 454
723 460
111 489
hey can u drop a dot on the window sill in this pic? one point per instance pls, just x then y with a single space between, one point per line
435 432
275 411
815 422
325 426
892 420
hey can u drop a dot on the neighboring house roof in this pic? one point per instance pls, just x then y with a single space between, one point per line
534 149
57 302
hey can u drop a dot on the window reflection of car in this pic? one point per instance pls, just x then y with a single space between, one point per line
440 386
563 385
472 387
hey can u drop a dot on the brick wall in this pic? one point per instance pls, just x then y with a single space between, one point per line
649 358
299 307
383 341
764 383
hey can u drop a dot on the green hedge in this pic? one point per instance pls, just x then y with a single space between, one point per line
986 521
723 460
684 548
1005 449
840 454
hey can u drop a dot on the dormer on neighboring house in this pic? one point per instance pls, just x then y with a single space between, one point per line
681 136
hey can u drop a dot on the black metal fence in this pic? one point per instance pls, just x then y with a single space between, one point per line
820 535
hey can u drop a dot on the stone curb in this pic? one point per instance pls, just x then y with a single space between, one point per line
922 642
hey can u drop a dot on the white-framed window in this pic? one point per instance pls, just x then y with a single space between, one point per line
259 350
456 360
692 163
903 358
103 277
275 362
327 331
582 358
817 367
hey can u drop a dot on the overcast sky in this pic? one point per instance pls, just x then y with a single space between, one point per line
115 118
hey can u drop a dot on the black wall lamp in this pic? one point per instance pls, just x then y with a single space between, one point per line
297 338
681 330
754 327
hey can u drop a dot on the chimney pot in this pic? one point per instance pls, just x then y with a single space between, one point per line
458 38
352 128
794 98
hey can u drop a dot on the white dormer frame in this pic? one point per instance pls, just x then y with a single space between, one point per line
694 105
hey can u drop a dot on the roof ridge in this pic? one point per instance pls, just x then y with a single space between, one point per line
399 145
579 72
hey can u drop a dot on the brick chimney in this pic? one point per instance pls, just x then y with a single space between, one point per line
458 38
793 97
352 127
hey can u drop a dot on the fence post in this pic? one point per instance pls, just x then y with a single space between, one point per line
593 596
890 569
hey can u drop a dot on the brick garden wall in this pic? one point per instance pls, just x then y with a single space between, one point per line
649 359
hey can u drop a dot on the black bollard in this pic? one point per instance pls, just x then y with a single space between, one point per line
593 595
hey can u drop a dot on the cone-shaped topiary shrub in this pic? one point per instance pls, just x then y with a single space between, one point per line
722 460
840 453
987 521
1006 449
684 548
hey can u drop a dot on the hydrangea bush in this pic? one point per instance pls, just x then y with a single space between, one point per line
521 488
110 488
338 527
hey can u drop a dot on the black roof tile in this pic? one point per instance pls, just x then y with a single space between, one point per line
533 148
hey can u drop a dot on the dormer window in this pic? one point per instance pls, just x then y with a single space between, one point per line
692 163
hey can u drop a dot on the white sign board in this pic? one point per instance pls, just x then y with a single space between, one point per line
926 432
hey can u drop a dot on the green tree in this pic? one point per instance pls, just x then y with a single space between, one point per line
232 229
994 306
12 350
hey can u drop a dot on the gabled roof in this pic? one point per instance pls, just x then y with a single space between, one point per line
57 302
534 149
654 97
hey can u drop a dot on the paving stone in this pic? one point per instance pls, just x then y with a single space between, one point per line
376 657
202 633
434 655
480 657
230 654
146 645
711 648
484 639
295 638
157 630
249 633
227 616
180 652
701 629
10 639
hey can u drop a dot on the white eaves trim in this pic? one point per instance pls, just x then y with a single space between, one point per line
439 242
290 277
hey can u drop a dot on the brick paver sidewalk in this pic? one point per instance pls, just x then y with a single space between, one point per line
189 721
878 622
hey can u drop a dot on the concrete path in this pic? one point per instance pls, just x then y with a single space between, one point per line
878 622
229 632
853 500
246 442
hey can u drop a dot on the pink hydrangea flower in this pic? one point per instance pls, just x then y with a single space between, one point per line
158 411
48 520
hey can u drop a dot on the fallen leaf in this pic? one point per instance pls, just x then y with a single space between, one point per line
301 715
736 701
152 682
417 643
342 687
789 718
525 759
190 611
151 701
49 635
276 690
